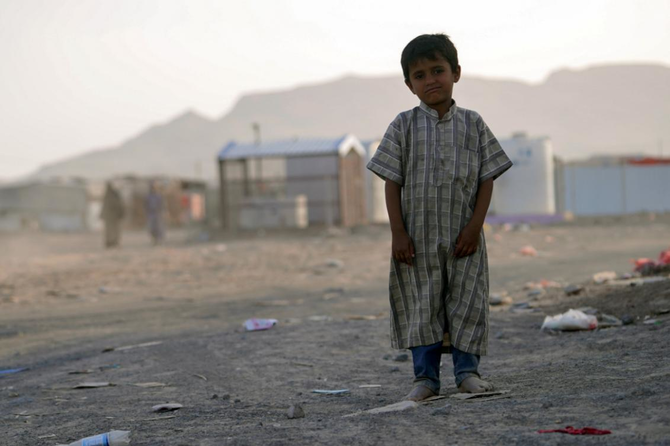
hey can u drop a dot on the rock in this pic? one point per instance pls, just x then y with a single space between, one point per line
387 357
627 319
495 299
499 299
334 263
295 411
403 357
521 306
534 294
499 335
166 407
607 320
573 290
444 410
394 369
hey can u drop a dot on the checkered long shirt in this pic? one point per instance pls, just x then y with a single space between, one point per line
439 163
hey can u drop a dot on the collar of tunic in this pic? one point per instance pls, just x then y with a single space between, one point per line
447 116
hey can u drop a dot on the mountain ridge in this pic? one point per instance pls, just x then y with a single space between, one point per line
597 110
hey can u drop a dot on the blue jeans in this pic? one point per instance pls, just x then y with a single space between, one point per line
427 365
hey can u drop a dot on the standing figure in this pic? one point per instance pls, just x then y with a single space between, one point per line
154 208
439 162
112 215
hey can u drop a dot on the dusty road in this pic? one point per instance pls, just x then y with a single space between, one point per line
63 300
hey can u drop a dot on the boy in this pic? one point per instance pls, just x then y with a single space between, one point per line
439 162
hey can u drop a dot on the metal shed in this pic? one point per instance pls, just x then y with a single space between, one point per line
615 186
266 184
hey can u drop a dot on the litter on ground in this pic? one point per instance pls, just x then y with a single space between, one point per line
574 431
571 320
169 407
470 396
254 324
330 392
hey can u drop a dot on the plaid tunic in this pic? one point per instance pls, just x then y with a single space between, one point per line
439 163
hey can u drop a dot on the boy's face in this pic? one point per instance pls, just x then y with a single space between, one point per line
433 82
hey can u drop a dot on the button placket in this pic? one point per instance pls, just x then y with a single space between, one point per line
437 156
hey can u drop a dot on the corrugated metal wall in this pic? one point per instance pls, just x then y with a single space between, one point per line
317 178
616 189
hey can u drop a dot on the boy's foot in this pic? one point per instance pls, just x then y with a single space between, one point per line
472 384
420 393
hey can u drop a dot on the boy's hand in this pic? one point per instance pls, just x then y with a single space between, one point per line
402 248
467 241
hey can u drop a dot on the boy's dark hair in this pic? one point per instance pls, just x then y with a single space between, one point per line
428 46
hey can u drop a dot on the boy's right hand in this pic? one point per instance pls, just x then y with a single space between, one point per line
402 248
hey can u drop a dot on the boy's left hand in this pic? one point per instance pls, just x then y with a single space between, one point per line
467 241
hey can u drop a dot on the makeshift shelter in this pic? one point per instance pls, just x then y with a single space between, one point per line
46 206
292 183
614 185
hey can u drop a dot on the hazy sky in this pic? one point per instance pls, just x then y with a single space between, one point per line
83 74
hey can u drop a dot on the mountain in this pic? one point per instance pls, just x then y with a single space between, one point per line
614 109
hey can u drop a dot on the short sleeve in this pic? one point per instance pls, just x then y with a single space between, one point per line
387 162
493 159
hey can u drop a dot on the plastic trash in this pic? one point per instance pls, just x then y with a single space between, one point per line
113 438
604 276
330 392
11 371
569 321
254 324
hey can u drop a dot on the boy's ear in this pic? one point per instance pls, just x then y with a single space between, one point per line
409 85
457 74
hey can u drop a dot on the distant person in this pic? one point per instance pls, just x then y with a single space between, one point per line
439 162
112 215
154 208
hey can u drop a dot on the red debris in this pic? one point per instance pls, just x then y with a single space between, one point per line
642 265
574 431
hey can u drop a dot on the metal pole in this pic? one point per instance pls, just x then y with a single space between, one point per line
223 202
623 186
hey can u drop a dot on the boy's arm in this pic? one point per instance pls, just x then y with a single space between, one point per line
402 248
468 239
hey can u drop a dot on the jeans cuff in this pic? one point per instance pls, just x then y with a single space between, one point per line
431 384
461 377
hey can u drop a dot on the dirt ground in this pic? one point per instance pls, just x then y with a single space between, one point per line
63 300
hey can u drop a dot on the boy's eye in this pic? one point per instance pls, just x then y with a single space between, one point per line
418 76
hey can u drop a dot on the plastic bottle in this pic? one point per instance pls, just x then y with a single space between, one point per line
113 438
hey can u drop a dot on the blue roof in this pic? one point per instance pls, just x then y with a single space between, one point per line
285 148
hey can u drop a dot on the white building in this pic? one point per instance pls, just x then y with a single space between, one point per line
528 188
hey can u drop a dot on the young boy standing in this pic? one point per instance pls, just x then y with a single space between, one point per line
439 162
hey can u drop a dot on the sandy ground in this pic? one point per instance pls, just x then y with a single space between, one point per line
63 300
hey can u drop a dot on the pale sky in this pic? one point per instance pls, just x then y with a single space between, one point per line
84 74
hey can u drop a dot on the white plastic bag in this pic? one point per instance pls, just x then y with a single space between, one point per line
569 321
254 324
